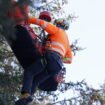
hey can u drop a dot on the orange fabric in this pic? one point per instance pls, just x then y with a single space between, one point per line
19 13
56 35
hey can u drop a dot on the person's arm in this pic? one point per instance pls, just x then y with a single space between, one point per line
68 57
48 27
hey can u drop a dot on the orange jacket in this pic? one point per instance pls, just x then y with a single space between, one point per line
58 39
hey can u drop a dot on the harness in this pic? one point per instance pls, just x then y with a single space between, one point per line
42 41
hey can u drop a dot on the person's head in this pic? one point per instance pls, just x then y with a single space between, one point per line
62 23
45 15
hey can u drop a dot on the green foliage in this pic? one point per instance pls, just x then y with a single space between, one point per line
75 48
8 86
6 24
10 76
11 72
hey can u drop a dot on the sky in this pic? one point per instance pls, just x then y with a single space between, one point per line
89 28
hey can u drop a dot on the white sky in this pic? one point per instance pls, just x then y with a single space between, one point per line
88 64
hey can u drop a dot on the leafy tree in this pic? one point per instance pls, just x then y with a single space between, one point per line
11 71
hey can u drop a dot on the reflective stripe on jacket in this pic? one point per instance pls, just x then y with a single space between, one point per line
58 39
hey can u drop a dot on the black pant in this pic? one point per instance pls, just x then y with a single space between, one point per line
54 62
44 80
33 80
23 47
53 67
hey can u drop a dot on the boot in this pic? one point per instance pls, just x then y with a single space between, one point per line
24 100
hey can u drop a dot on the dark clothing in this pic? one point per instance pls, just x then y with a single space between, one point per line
49 84
35 74
44 80
54 62
24 47
54 66
31 79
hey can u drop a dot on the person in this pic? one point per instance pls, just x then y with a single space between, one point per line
57 47
57 42
35 74
28 51
57 51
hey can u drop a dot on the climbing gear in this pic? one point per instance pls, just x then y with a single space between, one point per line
62 23
45 15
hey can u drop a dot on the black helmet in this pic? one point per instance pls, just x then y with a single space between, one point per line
61 23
